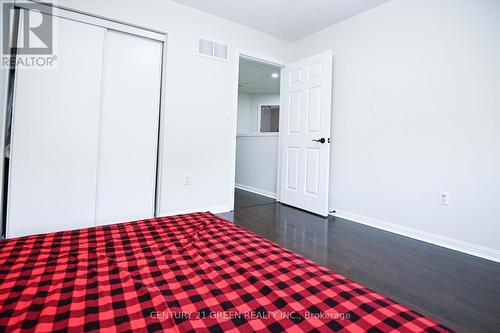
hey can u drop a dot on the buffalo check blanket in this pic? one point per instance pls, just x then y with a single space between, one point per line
185 273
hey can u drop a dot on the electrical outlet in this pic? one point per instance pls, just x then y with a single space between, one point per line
187 180
444 198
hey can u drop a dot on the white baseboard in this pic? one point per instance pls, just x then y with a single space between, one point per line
213 210
450 243
256 190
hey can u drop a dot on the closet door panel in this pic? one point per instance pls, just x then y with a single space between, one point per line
55 127
129 128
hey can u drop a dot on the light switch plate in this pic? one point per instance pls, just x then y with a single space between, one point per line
444 198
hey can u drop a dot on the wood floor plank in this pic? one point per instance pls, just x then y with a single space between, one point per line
459 290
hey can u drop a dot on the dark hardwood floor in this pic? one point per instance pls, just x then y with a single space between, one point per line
458 290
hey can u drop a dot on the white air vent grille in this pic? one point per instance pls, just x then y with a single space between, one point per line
212 49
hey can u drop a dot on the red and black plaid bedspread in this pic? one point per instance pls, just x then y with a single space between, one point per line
185 273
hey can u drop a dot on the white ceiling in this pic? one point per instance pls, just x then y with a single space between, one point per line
256 78
287 19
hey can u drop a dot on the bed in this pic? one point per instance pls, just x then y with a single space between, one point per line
186 273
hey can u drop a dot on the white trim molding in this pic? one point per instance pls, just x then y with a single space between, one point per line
255 190
213 210
252 56
73 15
449 243
258 135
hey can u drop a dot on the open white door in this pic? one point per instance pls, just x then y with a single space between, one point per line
305 133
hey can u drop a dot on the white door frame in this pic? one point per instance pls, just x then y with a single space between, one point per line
249 55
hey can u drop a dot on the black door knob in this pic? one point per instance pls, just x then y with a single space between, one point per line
322 140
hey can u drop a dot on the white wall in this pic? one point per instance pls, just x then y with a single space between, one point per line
248 109
257 162
416 109
200 92
244 113
256 153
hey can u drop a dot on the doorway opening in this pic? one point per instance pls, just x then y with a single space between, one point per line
258 126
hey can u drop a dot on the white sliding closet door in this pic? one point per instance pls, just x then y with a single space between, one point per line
55 130
129 128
